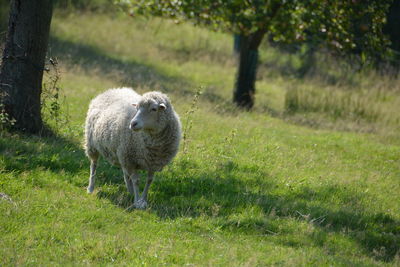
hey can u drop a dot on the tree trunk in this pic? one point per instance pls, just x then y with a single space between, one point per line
244 89
23 60
392 27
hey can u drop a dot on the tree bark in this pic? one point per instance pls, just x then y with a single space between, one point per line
244 89
21 72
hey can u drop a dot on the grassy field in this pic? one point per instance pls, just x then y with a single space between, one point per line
307 186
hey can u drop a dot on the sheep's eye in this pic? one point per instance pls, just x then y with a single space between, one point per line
153 109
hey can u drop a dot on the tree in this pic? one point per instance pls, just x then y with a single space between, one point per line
392 28
23 60
332 23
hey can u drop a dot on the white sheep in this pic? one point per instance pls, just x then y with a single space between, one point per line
134 132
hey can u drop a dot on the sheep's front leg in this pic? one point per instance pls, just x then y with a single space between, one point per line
133 183
128 182
142 203
93 165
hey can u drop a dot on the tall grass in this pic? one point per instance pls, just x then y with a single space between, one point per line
372 105
334 88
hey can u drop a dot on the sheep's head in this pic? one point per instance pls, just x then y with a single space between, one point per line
152 113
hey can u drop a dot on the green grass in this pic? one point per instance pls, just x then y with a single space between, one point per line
251 190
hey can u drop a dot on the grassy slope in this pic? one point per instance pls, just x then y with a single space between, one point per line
251 189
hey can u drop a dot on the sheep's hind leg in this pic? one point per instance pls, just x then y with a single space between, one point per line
93 166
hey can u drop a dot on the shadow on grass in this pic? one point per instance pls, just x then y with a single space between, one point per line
246 206
23 153
126 72
20 153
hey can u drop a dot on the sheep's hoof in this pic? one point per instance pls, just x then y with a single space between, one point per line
141 204
89 190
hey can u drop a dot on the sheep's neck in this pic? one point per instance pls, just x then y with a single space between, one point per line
160 147
161 139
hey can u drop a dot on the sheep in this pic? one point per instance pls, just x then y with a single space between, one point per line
134 132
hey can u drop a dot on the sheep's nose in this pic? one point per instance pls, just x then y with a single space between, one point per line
132 125
135 125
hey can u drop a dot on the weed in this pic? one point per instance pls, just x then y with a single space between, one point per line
6 122
189 121
226 153
52 98
227 150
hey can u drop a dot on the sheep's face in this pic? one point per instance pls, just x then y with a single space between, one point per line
149 116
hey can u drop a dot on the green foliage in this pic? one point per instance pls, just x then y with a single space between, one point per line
235 16
343 26
349 26
85 5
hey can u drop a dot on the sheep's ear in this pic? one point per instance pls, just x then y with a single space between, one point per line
162 106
